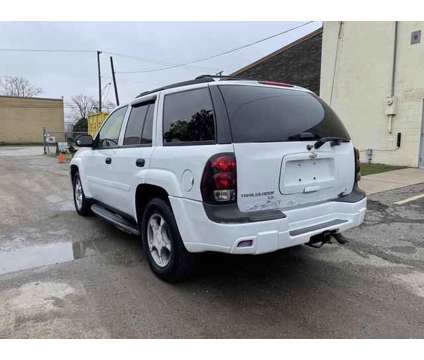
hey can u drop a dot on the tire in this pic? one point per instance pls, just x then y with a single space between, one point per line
82 204
176 263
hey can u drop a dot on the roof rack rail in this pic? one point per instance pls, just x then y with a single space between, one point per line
197 80
224 77
178 84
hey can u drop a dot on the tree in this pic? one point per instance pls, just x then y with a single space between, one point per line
107 106
199 127
17 86
81 126
83 105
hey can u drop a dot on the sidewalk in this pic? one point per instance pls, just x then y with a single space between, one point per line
391 180
18 150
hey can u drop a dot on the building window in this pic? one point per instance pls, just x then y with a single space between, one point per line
416 37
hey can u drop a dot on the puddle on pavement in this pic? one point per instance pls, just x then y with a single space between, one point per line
35 256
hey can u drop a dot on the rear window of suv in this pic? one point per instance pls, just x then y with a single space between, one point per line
269 114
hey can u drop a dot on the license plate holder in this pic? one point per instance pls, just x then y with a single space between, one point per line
301 174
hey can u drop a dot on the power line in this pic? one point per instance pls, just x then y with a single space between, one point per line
219 54
145 60
49 50
166 66
85 51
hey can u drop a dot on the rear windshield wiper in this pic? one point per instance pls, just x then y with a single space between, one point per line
334 141
303 136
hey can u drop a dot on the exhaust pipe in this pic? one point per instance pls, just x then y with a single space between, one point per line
325 237
340 238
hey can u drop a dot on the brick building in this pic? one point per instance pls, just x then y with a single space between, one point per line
297 63
23 118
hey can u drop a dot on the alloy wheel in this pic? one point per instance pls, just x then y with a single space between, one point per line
158 239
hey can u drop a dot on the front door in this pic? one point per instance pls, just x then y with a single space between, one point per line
99 175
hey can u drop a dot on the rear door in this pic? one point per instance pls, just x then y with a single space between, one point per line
132 158
271 128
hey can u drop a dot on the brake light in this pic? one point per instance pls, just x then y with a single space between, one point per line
224 163
275 83
219 180
357 165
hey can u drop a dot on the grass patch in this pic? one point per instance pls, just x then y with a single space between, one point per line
369 169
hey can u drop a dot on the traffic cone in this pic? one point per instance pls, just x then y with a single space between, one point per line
61 158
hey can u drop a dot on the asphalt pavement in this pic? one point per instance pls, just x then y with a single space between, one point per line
62 275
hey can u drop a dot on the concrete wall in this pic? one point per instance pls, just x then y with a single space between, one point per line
298 63
22 119
356 74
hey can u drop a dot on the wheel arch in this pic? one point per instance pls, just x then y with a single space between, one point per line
73 171
144 193
76 166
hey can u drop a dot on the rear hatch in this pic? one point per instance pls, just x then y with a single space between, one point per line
272 127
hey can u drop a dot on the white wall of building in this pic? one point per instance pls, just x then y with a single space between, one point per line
356 79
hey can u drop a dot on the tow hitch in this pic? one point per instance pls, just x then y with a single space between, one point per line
319 240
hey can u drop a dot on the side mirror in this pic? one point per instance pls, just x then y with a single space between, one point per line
84 141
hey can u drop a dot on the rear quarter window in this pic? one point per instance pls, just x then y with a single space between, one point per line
188 117
269 114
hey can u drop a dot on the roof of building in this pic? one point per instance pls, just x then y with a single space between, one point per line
30 98
279 51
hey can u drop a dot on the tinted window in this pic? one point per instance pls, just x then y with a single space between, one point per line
135 125
146 138
188 117
263 114
109 133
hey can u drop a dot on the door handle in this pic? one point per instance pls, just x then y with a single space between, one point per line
140 162
108 160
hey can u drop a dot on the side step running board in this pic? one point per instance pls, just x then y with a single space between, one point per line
115 219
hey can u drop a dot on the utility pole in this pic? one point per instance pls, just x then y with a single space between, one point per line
100 80
114 81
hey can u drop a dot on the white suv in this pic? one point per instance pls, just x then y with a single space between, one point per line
220 164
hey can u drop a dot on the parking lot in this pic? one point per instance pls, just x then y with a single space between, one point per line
62 275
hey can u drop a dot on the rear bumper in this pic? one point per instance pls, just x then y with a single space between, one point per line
201 234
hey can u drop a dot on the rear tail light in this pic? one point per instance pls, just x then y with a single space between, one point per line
219 180
357 165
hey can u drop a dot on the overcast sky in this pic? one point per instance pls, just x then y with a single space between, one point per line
162 43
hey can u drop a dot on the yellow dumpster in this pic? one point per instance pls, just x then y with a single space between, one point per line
95 121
